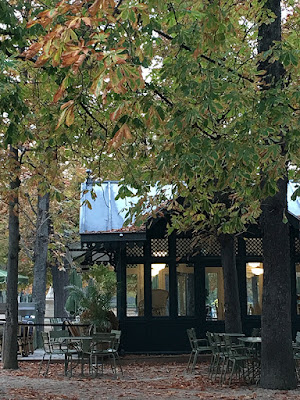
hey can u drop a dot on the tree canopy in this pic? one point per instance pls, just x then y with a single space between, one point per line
172 93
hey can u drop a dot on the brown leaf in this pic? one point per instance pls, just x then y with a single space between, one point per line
33 49
69 58
127 133
58 95
78 63
87 21
94 8
74 23
67 104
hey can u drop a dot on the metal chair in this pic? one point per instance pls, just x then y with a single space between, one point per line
198 346
55 347
103 346
238 361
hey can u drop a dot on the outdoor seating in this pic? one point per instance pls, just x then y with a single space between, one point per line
52 347
237 361
57 323
159 303
56 337
73 329
103 346
30 337
198 346
23 340
215 359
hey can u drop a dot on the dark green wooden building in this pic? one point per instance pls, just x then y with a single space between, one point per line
167 284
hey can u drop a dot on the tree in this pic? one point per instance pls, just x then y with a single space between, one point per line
280 374
199 120
24 130
40 259
11 326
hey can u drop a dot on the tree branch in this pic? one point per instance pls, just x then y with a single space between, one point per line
209 59
92 116
30 203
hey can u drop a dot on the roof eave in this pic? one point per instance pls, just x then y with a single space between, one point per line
92 237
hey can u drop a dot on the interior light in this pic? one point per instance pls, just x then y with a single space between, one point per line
256 268
257 271
155 268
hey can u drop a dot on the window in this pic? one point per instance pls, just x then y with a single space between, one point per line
298 287
214 293
160 289
185 290
254 275
135 290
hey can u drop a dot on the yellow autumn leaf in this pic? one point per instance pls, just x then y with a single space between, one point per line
70 115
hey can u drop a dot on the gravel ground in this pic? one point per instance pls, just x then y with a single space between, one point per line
140 381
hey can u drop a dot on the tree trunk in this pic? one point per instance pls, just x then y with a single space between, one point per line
233 322
277 364
40 261
9 353
60 281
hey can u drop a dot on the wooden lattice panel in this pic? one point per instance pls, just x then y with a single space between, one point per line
297 246
184 247
134 250
236 246
159 247
254 246
210 246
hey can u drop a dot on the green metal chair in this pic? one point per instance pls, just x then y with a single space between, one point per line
238 361
56 347
215 359
103 346
198 346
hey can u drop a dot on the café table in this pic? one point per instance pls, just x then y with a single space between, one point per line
232 334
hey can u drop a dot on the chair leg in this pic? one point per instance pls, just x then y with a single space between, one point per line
49 361
189 362
41 363
232 371
119 363
194 361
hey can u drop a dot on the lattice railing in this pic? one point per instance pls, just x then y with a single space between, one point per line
184 247
297 246
254 246
134 250
159 247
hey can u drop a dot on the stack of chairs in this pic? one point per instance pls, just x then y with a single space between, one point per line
229 359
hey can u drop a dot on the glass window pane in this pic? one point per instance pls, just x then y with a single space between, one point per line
135 290
298 287
254 275
214 291
160 289
185 290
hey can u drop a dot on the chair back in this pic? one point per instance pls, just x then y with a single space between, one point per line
256 332
102 341
159 301
59 334
73 329
117 341
56 321
212 343
192 338
46 342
